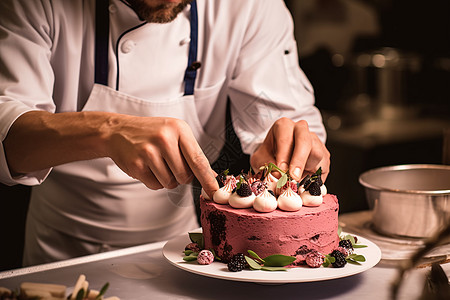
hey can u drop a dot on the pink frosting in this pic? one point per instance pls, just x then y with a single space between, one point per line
229 231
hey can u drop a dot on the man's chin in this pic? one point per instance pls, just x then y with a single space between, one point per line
163 13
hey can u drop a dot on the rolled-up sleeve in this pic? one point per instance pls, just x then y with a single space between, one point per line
268 83
26 75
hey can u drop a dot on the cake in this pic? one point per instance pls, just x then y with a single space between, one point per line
288 227
229 231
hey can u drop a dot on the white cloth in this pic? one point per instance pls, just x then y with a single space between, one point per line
247 51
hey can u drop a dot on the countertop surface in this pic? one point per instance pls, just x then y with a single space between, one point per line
143 272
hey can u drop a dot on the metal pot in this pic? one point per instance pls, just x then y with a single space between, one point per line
408 200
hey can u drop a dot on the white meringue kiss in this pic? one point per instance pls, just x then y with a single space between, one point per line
323 190
271 182
237 201
265 202
310 200
222 195
289 200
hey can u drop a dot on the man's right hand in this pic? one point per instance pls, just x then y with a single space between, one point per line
160 152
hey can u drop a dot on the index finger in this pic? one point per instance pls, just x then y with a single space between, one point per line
302 149
198 163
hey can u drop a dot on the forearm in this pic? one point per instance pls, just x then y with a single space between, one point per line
38 140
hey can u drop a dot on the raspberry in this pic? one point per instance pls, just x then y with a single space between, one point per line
314 189
258 187
343 251
244 190
347 244
314 259
300 254
339 259
192 246
205 257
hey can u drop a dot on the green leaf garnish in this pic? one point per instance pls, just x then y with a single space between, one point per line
80 294
282 181
278 260
264 268
197 237
215 256
359 246
328 260
102 291
253 254
252 263
187 252
191 257
356 257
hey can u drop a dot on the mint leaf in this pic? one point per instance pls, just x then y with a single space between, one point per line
197 237
252 263
278 260
102 291
357 257
215 256
264 268
189 258
282 181
328 260
359 246
253 254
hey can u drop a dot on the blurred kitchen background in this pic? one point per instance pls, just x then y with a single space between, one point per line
381 74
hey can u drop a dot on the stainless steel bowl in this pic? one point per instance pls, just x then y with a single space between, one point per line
408 200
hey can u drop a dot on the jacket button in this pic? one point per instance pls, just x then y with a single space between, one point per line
127 46
185 41
112 8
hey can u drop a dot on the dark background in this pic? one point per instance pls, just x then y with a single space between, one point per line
419 27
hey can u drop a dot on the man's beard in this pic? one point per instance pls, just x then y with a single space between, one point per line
163 13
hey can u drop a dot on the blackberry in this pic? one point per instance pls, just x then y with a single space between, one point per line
239 257
244 190
237 263
221 179
319 180
304 180
346 244
314 189
339 259
307 183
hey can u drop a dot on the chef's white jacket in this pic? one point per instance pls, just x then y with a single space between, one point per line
247 52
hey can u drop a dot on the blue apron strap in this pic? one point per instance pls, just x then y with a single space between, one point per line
193 64
101 41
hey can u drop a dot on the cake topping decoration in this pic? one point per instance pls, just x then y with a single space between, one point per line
243 195
289 201
223 194
265 202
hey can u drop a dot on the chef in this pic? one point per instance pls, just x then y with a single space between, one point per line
110 108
